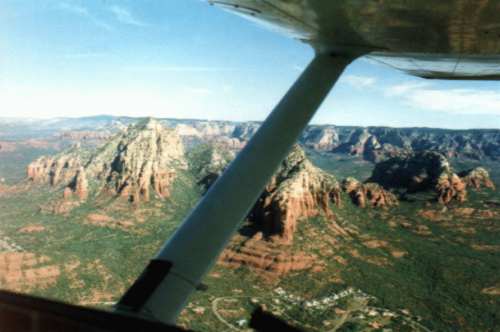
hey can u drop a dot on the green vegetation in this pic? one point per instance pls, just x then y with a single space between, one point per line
341 165
106 260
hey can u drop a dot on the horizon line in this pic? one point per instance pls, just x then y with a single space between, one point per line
29 119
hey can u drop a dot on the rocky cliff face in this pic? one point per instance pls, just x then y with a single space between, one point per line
413 172
137 164
369 194
78 187
321 139
141 162
371 143
430 171
450 187
380 143
298 190
54 170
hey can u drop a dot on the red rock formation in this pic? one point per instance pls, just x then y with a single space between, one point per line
428 170
54 170
298 190
147 158
477 178
136 164
79 187
450 187
270 260
368 194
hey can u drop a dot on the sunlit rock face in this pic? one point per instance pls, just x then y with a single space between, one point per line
477 178
297 190
54 170
450 187
79 187
321 138
368 194
136 165
144 161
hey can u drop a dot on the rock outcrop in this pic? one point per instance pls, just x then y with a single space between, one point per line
369 194
56 170
430 170
298 190
269 260
321 138
78 187
136 164
412 172
144 160
477 178
450 187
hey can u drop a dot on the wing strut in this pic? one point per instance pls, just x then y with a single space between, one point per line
165 285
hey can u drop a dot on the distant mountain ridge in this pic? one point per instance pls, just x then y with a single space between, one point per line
370 143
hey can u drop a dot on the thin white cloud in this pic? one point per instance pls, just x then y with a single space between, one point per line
84 13
182 101
458 100
426 96
358 81
125 16
404 87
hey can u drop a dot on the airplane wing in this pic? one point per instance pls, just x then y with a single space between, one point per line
449 39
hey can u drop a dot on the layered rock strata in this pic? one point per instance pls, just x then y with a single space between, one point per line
297 190
369 194
269 260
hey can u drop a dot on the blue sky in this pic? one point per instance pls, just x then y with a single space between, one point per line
186 59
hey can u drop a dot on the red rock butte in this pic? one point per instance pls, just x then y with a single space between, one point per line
136 164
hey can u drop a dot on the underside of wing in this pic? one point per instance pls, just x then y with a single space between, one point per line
449 39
